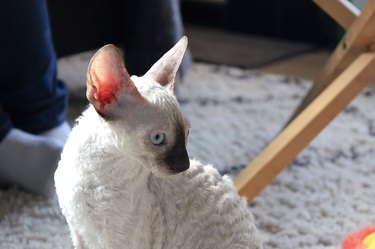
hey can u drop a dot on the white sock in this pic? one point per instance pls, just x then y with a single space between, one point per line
59 134
29 161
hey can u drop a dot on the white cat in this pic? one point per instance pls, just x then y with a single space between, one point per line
125 179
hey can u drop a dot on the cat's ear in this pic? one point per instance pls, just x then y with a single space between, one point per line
108 79
165 69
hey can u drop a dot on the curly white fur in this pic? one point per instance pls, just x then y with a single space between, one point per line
114 194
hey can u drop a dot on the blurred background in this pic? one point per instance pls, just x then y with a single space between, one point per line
291 37
100 21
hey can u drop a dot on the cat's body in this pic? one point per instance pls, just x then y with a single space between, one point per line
119 190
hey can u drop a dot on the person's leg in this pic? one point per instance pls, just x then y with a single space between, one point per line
29 91
151 28
32 119
5 124
26 160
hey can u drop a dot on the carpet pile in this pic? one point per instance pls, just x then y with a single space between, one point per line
327 192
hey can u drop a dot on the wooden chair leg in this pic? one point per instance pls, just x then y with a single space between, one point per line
342 11
358 39
284 148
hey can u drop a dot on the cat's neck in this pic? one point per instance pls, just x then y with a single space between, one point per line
102 156
114 179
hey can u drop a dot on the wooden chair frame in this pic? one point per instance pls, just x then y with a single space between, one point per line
350 68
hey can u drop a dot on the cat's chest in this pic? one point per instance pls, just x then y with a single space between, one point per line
113 217
185 198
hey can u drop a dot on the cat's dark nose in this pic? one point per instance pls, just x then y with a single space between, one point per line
180 163
177 158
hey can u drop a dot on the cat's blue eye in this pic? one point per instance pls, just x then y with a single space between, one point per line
157 138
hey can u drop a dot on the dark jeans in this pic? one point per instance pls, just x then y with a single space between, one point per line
31 97
150 29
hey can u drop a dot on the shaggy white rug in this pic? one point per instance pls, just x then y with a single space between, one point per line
327 192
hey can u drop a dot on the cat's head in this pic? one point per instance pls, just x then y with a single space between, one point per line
143 111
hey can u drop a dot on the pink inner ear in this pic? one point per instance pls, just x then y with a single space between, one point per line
108 79
107 85
165 69
165 77
108 92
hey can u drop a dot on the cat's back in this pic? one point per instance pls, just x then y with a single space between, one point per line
202 209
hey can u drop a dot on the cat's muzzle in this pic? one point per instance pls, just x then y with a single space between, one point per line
177 159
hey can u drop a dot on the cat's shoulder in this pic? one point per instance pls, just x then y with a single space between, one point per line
200 170
205 176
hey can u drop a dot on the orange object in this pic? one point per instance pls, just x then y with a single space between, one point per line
362 239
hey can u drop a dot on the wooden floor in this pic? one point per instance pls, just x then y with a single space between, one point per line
238 49
251 51
306 66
